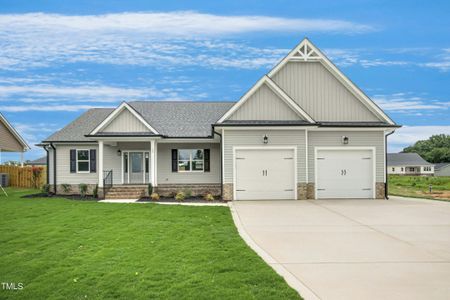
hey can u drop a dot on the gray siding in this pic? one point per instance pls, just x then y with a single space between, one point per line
50 166
254 138
125 122
164 165
264 104
8 141
113 161
63 174
356 139
445 171
320 93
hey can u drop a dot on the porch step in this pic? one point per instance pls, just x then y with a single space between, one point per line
126 192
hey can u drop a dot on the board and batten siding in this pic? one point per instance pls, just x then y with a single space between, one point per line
320 93
125 121
255 138
164 164
264 104
63 174
356 139
8 141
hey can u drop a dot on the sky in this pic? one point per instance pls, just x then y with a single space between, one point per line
60 58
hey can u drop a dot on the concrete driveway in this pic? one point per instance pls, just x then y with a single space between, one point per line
353 249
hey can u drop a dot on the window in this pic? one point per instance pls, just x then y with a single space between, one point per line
393 169
190 160
411 169
427 168
83 162
402 169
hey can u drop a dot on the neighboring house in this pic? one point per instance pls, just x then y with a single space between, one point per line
41 161
442 169
10 139
408 164
303 131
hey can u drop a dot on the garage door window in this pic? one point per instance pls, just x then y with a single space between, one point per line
190 160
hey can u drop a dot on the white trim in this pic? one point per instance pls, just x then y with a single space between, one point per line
350 129
345 148
294 148
152 156
100 163
117 111
185 141
277 90
335 71
264 127
14 133
306 154
128 162
88 160
223 156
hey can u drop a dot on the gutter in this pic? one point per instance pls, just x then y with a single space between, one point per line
47 163
385 165
54 167
221 160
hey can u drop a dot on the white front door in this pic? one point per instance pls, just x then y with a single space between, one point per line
265 174
136 167
345 173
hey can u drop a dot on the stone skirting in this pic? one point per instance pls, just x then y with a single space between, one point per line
169 190
310 192
227 191
301 190
75 190
380 192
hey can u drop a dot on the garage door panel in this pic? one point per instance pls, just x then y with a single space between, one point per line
344 173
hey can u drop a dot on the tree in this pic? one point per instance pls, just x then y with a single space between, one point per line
435 150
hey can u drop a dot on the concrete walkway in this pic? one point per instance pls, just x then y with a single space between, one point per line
353 249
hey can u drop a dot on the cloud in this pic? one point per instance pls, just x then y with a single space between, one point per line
61 107
409 103
408 135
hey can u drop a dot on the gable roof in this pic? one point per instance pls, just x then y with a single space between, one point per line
439 166
13 131
168 118
406 159
307 51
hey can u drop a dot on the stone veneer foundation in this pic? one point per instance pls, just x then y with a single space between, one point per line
379 192
227 191
168 190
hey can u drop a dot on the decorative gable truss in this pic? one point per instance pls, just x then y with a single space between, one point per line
124 119
265 81
306 51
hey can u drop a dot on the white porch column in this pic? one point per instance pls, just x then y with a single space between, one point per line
100 163
152 162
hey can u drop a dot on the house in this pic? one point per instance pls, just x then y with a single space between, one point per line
41 161
408 164
10 139
442 169
303 131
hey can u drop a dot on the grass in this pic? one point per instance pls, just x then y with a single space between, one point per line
66 249
418 187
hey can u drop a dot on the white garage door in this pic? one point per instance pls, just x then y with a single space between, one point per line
264 174
344 174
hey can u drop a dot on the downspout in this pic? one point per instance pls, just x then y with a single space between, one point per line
47 162
385 165
54 167
221 160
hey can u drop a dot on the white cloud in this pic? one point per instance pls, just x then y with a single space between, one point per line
408 135
409 103
58 107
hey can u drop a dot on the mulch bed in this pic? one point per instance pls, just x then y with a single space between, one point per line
187 200
70 197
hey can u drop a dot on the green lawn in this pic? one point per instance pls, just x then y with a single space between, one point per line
66 249
418 186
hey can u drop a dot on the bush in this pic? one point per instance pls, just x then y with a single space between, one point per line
150 189
154 196
180 196
36 173
95 191
209 197
66 188
188 193
45 189
83 189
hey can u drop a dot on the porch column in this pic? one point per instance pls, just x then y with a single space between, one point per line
100 163
153 162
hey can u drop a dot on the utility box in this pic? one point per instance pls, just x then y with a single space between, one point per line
4 179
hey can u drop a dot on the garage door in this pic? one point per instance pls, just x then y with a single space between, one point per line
263 174
344 174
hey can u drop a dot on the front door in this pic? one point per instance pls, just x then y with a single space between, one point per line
136 167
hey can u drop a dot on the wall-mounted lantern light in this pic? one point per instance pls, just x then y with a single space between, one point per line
119 152
265 139
345 140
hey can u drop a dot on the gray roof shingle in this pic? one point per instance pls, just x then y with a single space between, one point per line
439 166
406 159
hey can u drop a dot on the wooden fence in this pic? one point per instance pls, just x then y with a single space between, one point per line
23 176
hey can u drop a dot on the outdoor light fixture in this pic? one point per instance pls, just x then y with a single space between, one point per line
265 139
345 140
119 152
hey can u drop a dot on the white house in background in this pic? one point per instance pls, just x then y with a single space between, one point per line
10 139
408 164
442 169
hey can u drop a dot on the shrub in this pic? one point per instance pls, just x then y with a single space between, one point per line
180 196
95 191
83 189
45 189
188 193
209 197
36 173
66 188
150 189
154 196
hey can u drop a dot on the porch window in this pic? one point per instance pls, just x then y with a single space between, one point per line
83 161
190 160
